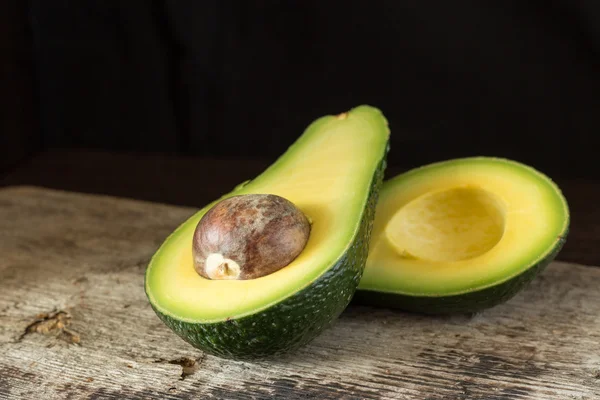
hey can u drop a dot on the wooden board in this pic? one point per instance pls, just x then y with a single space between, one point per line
75 324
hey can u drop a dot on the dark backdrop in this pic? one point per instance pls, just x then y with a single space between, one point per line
517 79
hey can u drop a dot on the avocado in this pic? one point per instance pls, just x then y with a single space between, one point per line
462 235
333 174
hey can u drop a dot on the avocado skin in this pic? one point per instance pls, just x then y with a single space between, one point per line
298 319
465 303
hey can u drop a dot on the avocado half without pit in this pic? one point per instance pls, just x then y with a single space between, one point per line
297 255
462 235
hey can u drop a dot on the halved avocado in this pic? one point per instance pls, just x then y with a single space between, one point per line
462 235
332 173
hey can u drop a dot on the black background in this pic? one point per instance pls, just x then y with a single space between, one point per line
242 79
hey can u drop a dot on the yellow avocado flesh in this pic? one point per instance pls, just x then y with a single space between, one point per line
462 225
326 173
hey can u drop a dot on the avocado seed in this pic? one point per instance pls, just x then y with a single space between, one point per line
249 236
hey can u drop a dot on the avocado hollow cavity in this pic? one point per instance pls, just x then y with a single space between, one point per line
455 224
249 236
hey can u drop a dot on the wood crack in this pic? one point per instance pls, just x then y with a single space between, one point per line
53 323
188 365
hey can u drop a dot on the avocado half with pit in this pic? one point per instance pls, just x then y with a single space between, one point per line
333 174
462 235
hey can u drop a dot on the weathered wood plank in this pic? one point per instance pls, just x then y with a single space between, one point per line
85 256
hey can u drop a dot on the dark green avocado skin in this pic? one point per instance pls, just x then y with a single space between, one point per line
296 320
466 303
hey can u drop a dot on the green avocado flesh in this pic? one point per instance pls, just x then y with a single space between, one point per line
462 235
332 173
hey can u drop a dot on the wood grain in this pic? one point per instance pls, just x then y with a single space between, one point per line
75 324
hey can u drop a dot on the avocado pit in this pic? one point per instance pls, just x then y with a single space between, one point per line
249 236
